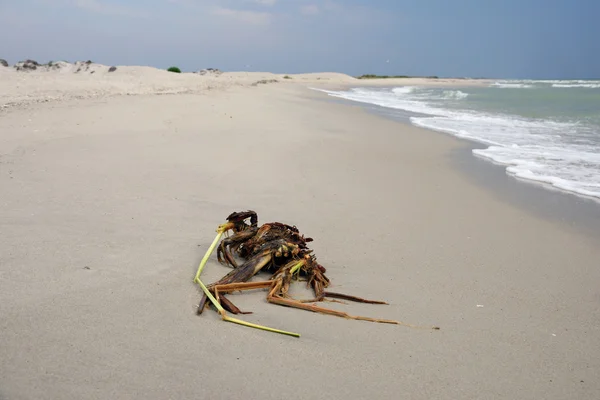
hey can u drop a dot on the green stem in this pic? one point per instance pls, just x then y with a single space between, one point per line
264 328
225 317
217 305
208 253
210 297
297 267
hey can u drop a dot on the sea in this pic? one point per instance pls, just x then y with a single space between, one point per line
542 131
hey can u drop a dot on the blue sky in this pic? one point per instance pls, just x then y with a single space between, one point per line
475 38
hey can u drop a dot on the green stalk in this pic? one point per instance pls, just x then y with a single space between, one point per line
220 231
264 328
225 317
212 299
297 267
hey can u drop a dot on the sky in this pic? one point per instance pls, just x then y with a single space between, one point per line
538 39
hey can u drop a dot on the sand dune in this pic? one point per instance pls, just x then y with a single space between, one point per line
65 81
81 80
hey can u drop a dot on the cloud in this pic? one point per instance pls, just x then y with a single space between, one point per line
265 2
285 35
250 17
231 4
310 9
100 7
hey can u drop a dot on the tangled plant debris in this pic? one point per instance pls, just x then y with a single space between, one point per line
277 248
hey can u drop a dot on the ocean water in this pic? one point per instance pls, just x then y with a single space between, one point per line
541 131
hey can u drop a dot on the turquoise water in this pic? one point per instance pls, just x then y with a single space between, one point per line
542 131
574 103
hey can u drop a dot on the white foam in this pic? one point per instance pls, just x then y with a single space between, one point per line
576 85
455 94
548 81
403 90
506 85
562 167
529 84
572 82
531 149
394 98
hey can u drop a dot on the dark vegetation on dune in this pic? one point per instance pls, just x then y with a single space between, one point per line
32 65
264 82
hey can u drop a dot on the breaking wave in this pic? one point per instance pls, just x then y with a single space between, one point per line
563 154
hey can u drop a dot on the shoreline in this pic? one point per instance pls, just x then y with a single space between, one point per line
404 116
226 81
577 212
396 82
111 203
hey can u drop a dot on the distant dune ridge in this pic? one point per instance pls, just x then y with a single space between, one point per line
29 82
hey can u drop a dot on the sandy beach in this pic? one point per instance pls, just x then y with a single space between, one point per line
110 194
